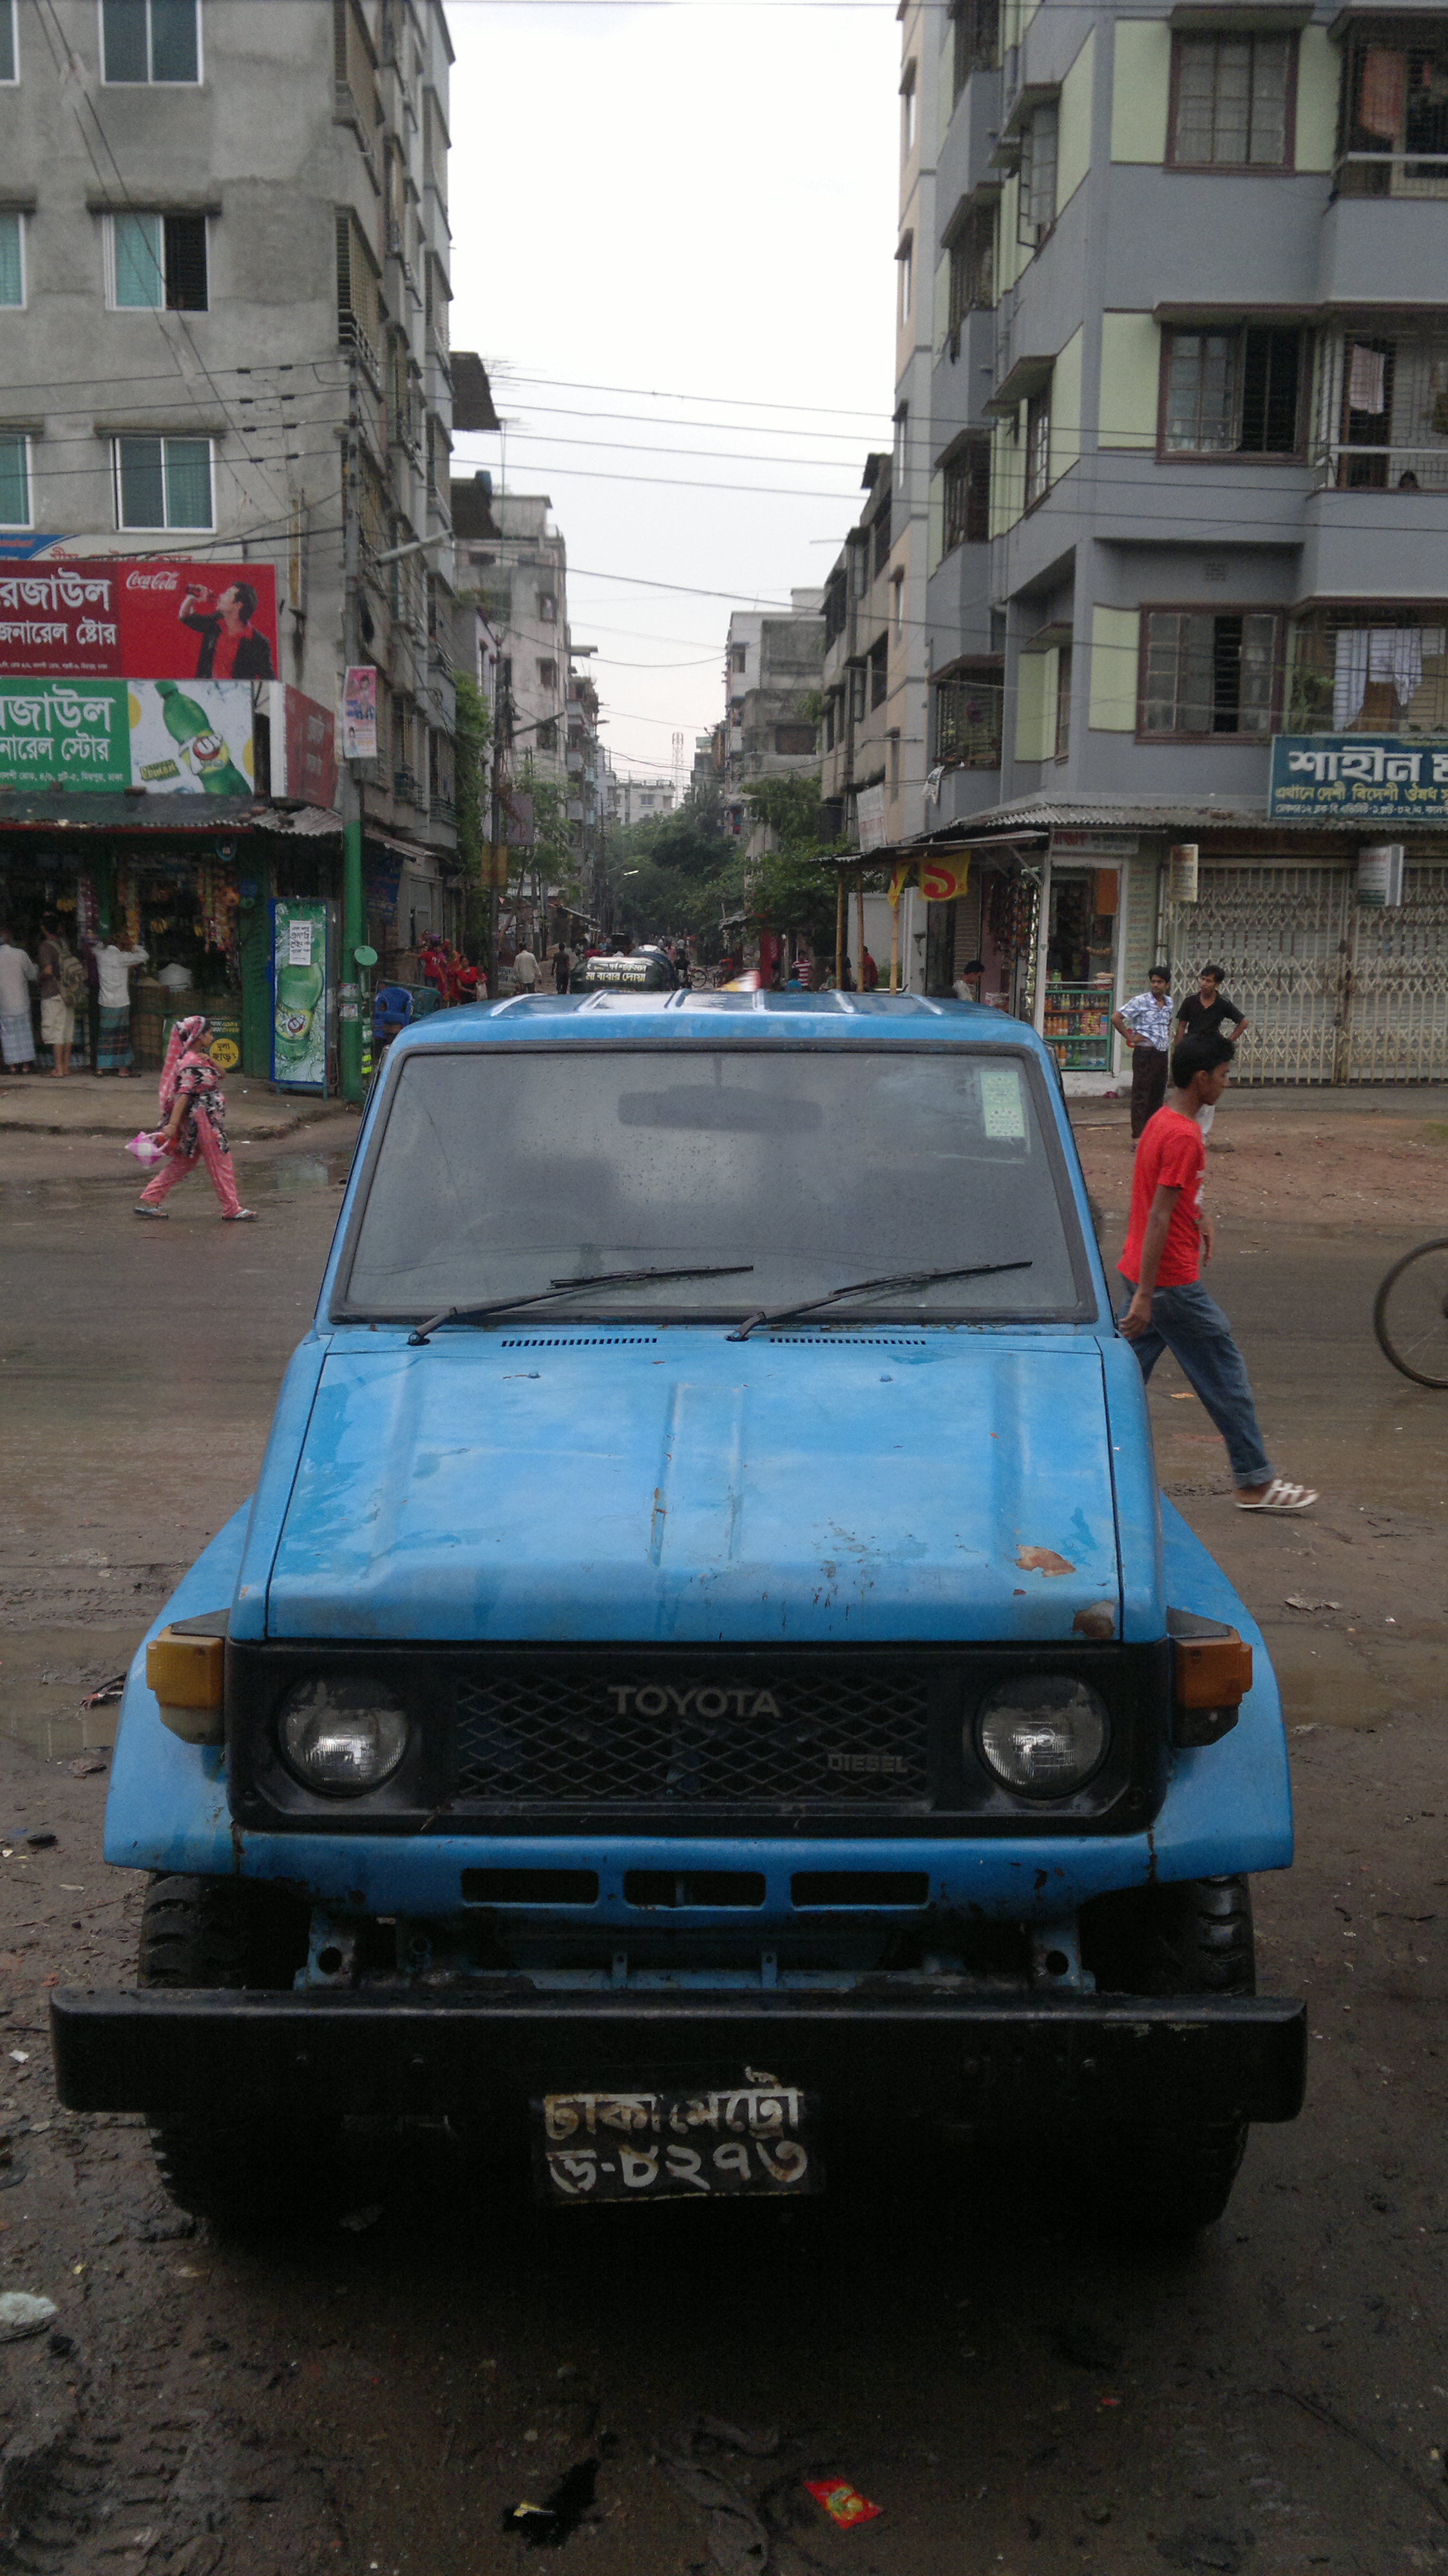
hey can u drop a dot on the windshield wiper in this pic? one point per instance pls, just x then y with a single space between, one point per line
560 1288
858 1287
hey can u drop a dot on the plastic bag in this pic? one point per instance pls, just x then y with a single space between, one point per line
145 1148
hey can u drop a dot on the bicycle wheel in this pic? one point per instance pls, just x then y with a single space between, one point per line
1410 1314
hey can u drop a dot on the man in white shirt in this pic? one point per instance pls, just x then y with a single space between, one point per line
113 1045
17 1033
525 971
1145 1023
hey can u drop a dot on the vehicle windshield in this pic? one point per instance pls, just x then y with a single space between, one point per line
501 1170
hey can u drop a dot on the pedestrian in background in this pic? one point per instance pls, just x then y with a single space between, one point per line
1209 1012
113 1045
193 1112
62 979
525 971
1168 1239
562 968
1145 1023
869 972
17 973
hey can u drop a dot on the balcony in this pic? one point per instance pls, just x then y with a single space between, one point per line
1392 174
406 788
969 719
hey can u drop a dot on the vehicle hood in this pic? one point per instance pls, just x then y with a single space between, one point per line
672 1485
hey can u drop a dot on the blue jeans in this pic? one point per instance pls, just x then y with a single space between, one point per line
1191 1325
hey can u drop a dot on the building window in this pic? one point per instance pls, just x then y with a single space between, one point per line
1233 393
158 262
1232 102
1206 674
898 591
547 608
14 479
967 496
1396 121
9 54
1036 203
905 258
548 734
1063 702
892 749
907 113
879 672
547 675
972 270
902 434
151 40
1038 446
794 741
738 657
12 257
858 680
163 483
882 540
976 40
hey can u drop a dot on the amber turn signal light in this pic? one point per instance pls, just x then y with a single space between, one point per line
186 1674
1212 1672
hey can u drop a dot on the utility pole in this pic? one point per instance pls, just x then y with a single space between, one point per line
354 918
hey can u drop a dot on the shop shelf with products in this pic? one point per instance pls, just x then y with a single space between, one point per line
1077 1026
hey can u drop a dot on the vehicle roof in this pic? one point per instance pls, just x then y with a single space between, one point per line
830 1017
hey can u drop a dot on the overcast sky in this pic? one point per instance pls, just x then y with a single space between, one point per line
700 200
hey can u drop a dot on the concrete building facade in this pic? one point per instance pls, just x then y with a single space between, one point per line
224 292
1188 491
774 662
638 800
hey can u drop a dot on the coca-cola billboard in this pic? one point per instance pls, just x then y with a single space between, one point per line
104 617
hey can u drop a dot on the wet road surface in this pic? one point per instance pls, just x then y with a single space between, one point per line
1012 2395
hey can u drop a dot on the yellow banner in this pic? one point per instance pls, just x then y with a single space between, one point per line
943 880
493 864
898 882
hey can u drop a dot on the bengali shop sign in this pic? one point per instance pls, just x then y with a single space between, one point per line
100 616
108 735
1377 778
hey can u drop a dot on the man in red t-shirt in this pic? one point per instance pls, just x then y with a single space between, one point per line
1168 1237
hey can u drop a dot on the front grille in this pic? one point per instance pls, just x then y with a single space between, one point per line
821 1736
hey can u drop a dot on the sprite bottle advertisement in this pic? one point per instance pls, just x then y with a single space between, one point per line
299 977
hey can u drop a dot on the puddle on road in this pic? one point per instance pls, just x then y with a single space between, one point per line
44 1675
283 1176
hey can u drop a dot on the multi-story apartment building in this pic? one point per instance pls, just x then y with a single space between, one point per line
1187 428
773 665
638 800
864 608
224 288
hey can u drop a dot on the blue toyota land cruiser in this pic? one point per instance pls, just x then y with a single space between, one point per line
706 1661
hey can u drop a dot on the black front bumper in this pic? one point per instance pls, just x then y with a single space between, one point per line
873 2053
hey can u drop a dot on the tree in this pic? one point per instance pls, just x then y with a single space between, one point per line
472 735
788 890
676 873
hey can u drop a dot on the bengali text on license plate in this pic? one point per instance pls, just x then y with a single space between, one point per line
695 2145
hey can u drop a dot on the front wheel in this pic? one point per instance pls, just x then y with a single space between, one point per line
1410 1315
1165 2180
245 2176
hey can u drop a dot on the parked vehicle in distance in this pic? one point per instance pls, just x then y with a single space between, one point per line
706 1664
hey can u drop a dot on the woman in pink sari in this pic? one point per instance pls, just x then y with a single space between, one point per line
193 1112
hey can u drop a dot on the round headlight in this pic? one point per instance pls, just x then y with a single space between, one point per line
1043 1735
342 1736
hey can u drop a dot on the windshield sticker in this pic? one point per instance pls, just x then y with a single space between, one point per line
1002 1108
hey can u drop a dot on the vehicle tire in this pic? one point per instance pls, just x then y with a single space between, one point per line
1166 2181
245 2176
1410 1315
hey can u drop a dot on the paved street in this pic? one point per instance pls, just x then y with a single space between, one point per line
1014 2398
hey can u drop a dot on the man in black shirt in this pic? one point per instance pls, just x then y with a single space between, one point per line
1210 1013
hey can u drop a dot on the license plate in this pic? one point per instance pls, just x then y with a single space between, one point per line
704 2144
